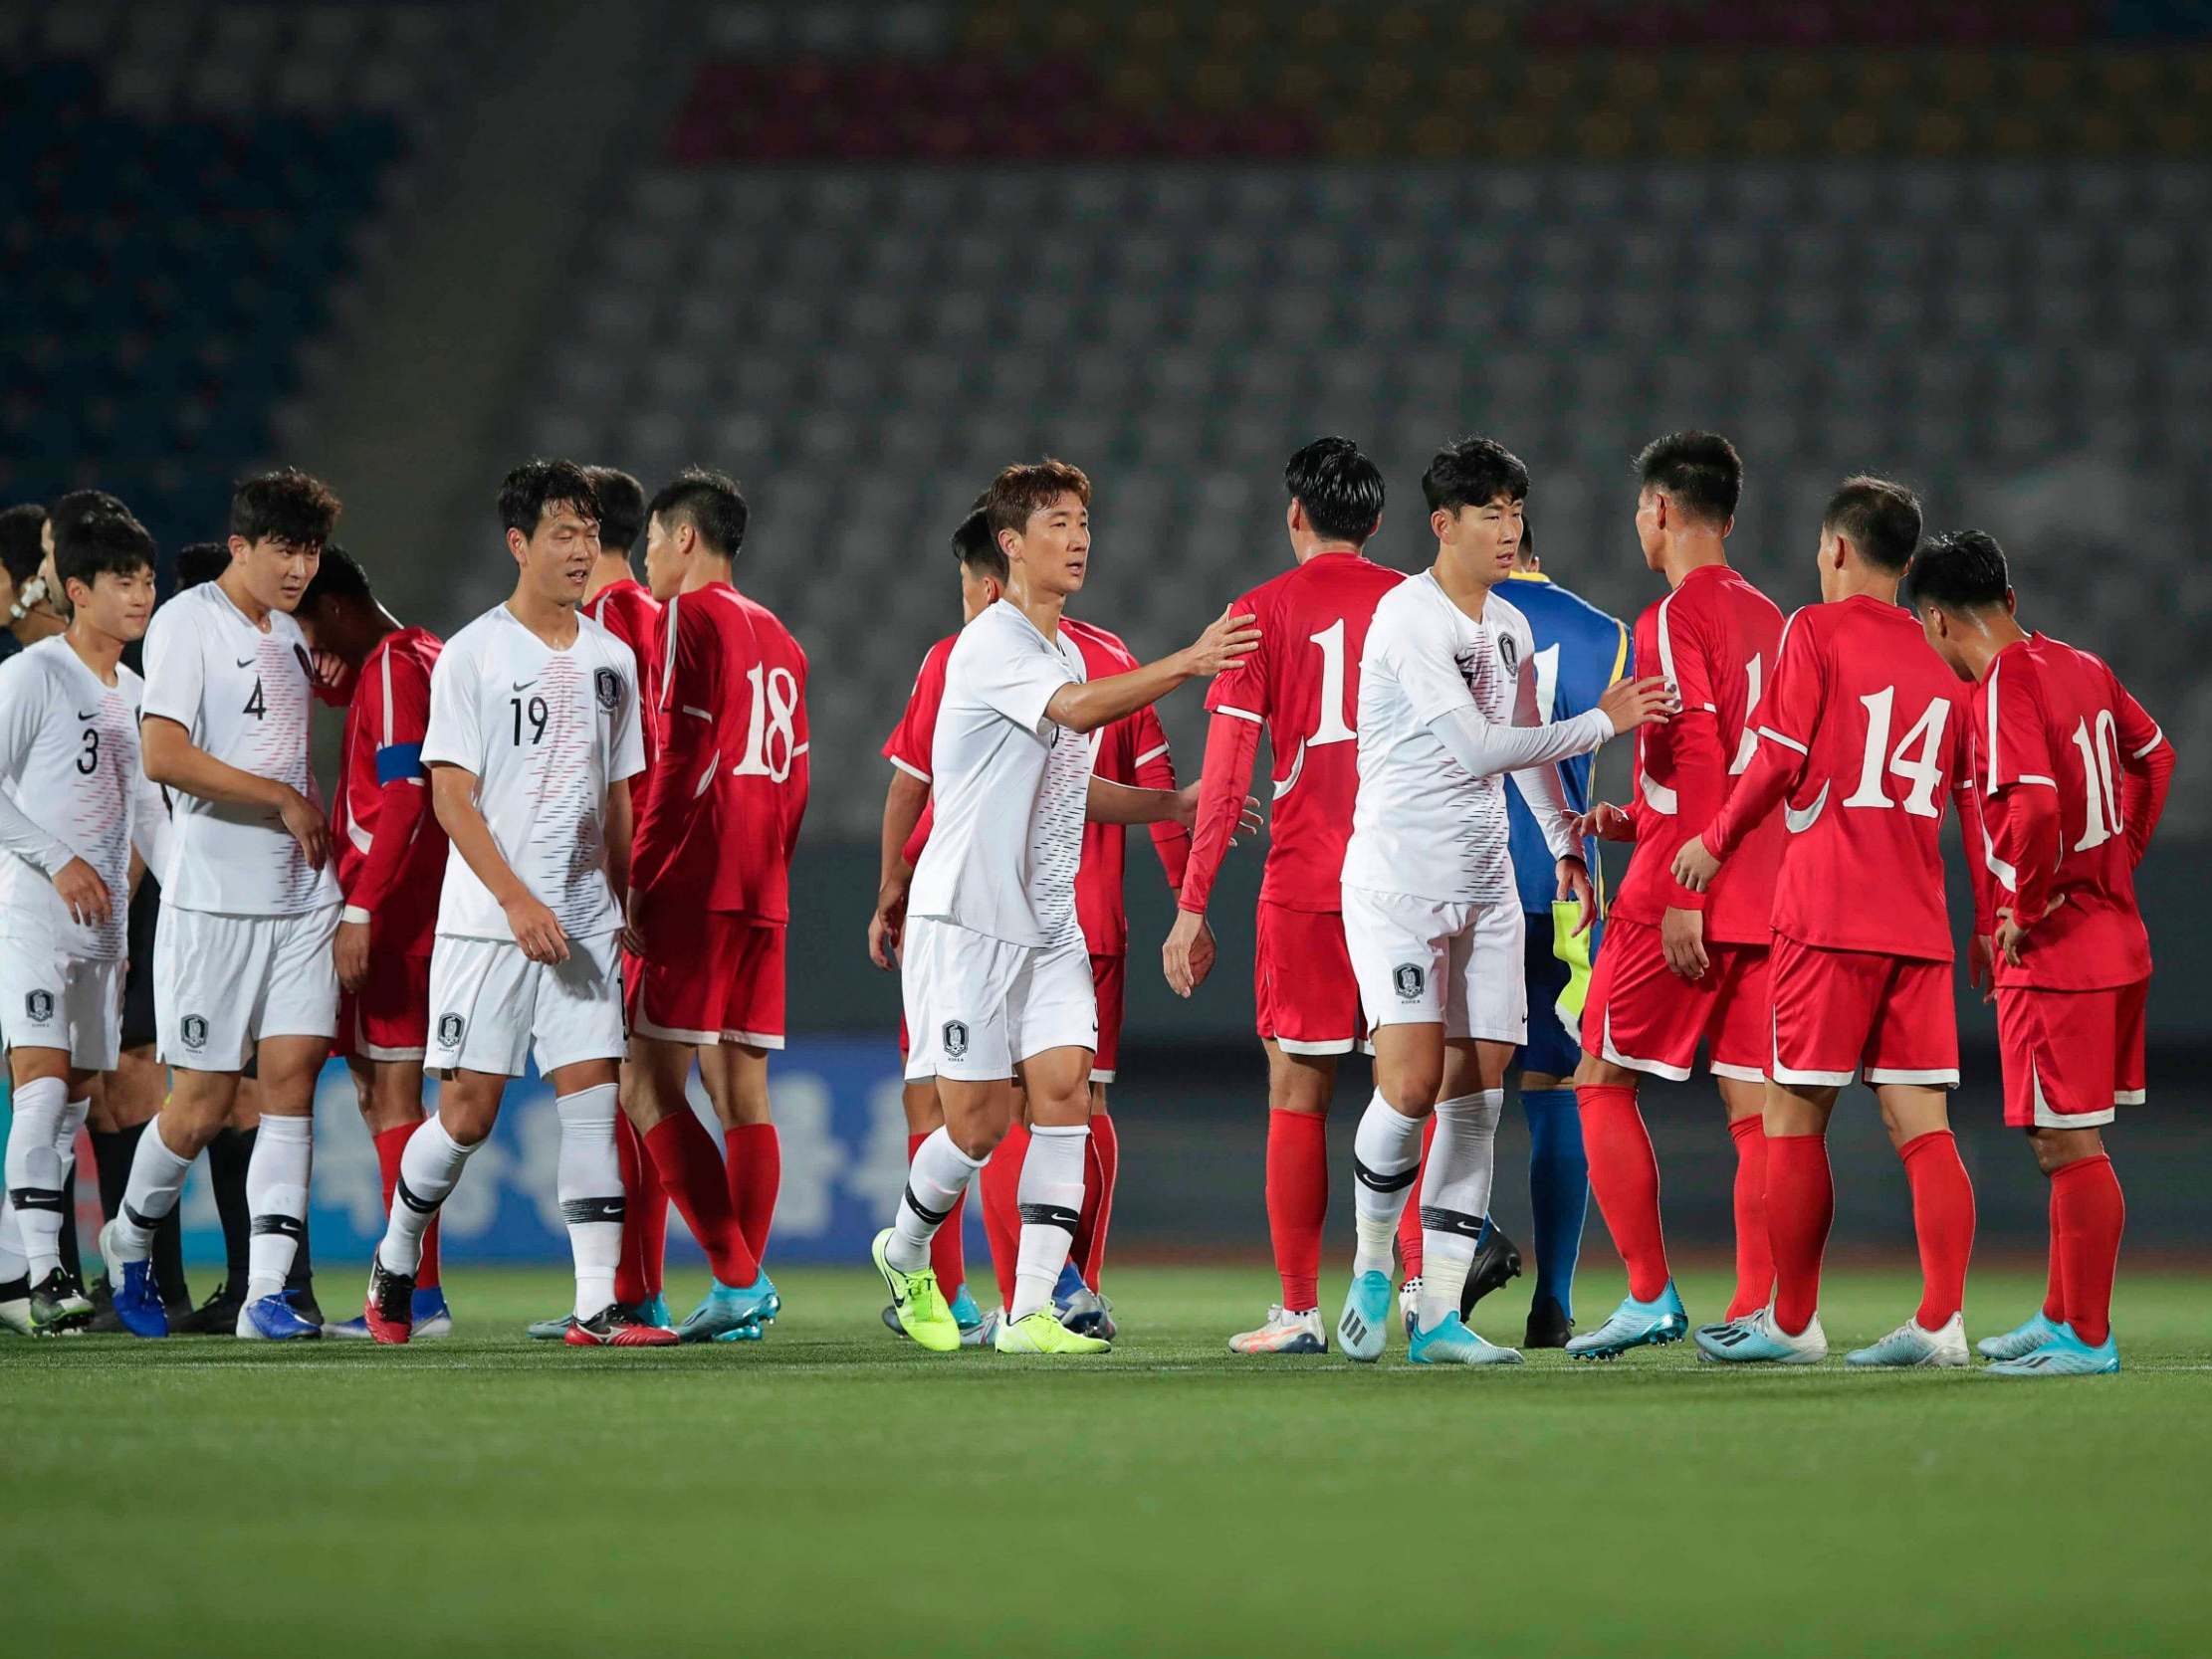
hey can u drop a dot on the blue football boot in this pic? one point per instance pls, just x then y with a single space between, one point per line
2022 1339
137 1303
725 1309
1360 1328
272 1319
1450 1343
2064 1354
1756 1339
1634 1324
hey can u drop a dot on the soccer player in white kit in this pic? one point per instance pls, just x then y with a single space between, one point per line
1448 705
74 803
533 740
995 975
242 964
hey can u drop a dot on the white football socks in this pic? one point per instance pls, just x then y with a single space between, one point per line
12 1265
936 1178
156 1177
429 1166
1385 1155
1050 1196
277 1178
591 1186
34 1171
1455 1197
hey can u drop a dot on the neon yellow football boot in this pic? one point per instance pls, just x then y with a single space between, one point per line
1042 1332
917 1301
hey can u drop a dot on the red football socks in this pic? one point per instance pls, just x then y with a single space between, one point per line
1754 1256
948 1256
1942 1223
1001 1185
1801 1203
2053 1289
389 1145
682 1155
2092 1214
1297 1202
1409 1252
1101 1165
1624 1176
755 1175
637 1270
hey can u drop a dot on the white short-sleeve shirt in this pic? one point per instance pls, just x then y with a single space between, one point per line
1420 824
243 693
1009 786
69 765
545 733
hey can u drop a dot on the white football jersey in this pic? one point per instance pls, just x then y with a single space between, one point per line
1420 824
1009 786
243 693
71 786
545 733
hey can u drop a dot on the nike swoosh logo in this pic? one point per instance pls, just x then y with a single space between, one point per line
248 662
1800 822
523 685
94 715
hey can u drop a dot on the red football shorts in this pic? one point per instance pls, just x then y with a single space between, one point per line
1303 990
708 976
2071 1057
388 1018
1842 1014
1640 1013
1108 975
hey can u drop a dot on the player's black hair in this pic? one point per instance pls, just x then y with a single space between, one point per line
977 548
91 544
201 561
20 546
1023 489
1880 519
283 506
1961 570
1473 472
711 503
1340 488
526 493
1698 471
621 508
339 576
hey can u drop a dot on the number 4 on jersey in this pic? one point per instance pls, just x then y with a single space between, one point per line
1921 769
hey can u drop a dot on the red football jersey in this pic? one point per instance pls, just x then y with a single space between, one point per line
1303 685
733 756
2055 722
1863 733
1715 636
1132 750
628 610
383 743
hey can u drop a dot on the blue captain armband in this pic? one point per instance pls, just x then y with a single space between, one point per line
399 762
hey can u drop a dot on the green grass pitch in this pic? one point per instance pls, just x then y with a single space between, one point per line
831 1491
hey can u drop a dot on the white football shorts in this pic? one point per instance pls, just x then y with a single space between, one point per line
977 1005
222 984
1426 961
492 1007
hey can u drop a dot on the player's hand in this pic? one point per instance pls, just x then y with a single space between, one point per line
1573 883
332 672
307 825
84 894
1683 937
1629 704
535 929
1605 821
1695 867
352 954
2008 939
1248 820
1981 966
1225 642
632 937
1187 955
888 926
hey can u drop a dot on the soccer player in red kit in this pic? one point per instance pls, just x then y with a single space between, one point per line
391 855
1862 733
1302 685
983 579
616 599
710 892
2073 777
1677 967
